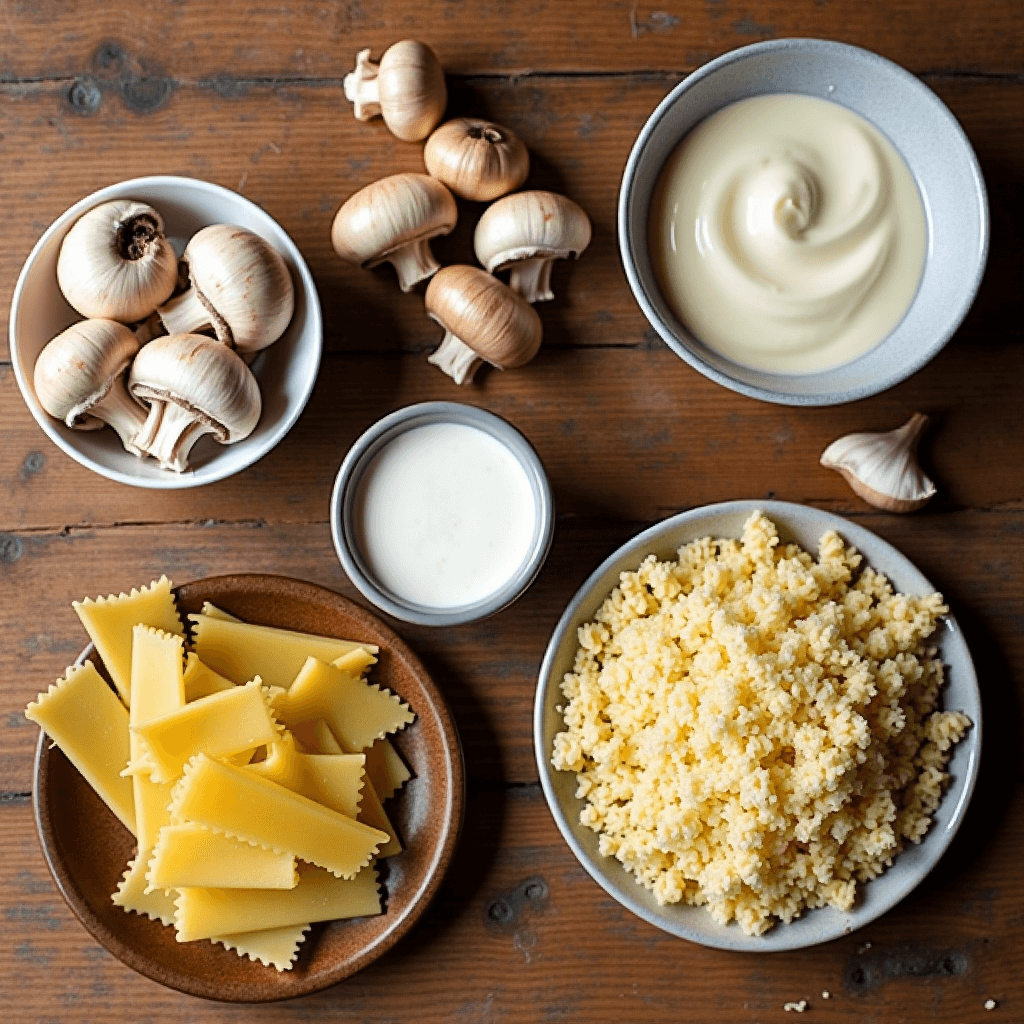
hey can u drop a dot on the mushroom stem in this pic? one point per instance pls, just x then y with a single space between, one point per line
456 358
362 87
414 262
118 410
188 313
170 432
532 279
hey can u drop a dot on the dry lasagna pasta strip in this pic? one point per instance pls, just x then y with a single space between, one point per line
201 681
272 947
222 797
109 621
240 650
131 895
221 725
319 896
83 716
188 855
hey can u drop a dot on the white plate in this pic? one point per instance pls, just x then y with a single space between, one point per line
805 526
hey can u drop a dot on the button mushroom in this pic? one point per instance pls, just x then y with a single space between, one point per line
526 233
407 89
477 159
484 320
116 263
392 220
239 285
194 385
78 379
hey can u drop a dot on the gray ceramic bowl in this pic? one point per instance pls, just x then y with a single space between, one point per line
805 526
917 123
346 487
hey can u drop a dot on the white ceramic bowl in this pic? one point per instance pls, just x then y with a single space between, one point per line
286 370
805 526
914 120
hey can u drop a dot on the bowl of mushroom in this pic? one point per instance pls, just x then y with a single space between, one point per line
165 332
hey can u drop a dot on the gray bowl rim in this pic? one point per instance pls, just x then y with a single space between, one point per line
174 481
358 458
730 937
900 373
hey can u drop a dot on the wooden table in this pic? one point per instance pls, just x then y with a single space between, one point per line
249 95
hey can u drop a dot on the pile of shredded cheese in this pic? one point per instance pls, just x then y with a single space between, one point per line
756 731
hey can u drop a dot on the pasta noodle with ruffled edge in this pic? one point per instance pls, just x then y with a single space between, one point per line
319 896
109 621
221 796
83 716
201 681
221 725
189 855
272 947
132 897
241 650
356 711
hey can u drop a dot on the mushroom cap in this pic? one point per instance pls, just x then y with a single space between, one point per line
390 213
244 280
202 375
485 314
528 224
477 159
77 368
412 90
105 270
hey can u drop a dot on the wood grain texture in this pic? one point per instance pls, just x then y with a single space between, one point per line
249 95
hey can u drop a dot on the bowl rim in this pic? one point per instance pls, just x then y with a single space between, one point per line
902 370
375 438
169 481
731 938
452 819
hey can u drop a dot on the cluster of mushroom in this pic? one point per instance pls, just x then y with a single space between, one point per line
393 220
182 371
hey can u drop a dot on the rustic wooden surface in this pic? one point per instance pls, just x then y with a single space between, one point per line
248 95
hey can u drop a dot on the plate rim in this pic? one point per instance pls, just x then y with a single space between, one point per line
453 819
732 938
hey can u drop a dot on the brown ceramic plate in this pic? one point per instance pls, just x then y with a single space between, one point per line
87 848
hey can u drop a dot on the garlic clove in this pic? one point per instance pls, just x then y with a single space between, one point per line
525 233
115 262
194 386
407 89
883 468
79 378
392 220
484 321
239 285
477 159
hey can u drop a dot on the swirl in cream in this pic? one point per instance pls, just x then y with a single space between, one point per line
787 234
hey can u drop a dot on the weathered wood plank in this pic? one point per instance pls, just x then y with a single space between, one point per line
566 951
202 39
487 670
629 433
287 148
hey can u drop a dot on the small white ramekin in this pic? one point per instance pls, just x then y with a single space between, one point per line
346 485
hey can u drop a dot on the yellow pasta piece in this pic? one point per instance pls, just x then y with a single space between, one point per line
109 622
319 896
372 813
218 613
386 769
189 855
355 662
242 804
220 725
131 894
272 947
241 651
83 716
156 688
314 736
201 681
356 711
